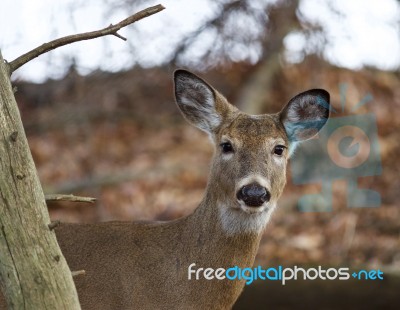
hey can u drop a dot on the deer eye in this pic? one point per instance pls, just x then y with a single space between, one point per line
278 150
226 147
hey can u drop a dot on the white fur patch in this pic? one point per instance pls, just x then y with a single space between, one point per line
279 160
227 156
237 220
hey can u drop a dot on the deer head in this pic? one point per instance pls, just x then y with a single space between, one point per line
251 151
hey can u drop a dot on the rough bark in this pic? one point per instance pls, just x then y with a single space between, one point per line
33 271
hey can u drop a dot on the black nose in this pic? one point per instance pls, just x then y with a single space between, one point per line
253 195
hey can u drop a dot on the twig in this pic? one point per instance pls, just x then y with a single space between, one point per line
118 35
53 224
78 273
60 197
110 30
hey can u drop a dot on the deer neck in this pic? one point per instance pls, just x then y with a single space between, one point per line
216 246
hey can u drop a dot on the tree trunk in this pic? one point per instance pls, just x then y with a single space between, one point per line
33 271
254 94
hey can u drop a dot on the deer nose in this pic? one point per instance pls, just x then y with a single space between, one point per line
253 195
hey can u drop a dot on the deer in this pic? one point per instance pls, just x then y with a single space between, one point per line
146 265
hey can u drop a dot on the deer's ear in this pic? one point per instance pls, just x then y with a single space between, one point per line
197 100
305 114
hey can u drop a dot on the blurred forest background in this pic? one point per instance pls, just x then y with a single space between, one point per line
119 137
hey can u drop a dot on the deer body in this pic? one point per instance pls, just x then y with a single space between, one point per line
133 265
145 266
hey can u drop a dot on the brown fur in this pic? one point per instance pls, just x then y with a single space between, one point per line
144 266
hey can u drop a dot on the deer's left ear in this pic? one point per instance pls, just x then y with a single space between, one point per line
305 114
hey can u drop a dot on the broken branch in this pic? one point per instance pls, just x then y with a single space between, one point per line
110 30
78 273
53 224
60 197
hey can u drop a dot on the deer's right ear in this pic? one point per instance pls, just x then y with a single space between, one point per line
197 101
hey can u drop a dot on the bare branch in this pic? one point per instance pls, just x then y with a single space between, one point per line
78 273
110 30
60 197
